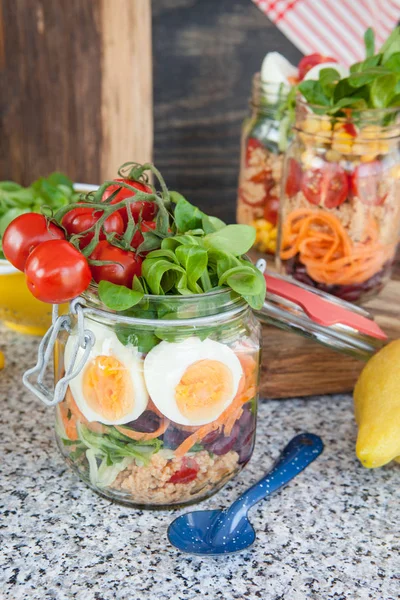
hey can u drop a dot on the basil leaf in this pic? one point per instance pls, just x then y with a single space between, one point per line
211 224
186 215
383 89
236 239
369 41
118 297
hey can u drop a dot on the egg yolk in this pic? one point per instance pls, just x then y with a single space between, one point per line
107 388
203 390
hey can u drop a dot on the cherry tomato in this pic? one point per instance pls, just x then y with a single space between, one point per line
271 210
145 210
127 264
187 472
78 220
327 186
308 62
25 233
57 272
369 183
252 144
138 237
293 179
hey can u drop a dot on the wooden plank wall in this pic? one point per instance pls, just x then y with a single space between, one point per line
76 87
205 53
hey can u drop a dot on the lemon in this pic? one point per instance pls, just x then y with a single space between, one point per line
377 408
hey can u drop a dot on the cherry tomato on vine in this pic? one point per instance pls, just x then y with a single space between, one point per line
126 264
293 178
57 272
78 220
369 183
327 186
25 233
138 236
145 210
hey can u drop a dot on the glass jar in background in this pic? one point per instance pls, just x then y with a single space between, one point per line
264 139
340 202
163 412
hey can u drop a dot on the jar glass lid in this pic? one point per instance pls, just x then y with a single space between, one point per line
296 307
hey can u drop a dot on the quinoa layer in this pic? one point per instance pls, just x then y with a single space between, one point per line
150 485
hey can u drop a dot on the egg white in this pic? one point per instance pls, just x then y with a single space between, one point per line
314 72
107 344
166 363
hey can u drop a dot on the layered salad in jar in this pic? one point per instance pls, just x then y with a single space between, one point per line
340 210
265 136
162 410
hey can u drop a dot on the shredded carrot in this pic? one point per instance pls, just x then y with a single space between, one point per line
139 436
227 418
327 251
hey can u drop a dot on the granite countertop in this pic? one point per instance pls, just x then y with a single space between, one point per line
332 533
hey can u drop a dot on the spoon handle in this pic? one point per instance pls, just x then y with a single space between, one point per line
296 456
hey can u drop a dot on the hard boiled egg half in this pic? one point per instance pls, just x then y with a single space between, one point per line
192 382
110 388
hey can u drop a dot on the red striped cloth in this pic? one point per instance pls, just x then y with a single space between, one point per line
332 27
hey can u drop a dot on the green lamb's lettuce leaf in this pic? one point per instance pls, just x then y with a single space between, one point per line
118 297
187 217
383 89
236 239
369 41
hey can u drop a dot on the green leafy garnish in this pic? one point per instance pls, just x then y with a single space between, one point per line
372 83
118 297
48 194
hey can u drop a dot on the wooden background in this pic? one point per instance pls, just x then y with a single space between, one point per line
205 53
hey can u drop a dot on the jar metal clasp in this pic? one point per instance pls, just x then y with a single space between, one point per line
33 378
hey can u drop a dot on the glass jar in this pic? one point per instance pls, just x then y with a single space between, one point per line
156 406
340 203
163 412
264 139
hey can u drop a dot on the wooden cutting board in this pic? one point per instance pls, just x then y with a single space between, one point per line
295 366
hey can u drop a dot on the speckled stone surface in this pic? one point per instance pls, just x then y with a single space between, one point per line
333 533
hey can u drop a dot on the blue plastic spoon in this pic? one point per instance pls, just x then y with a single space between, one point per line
229 530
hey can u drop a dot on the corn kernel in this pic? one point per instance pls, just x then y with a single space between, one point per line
272 246
333 156
371 132
310 125
342 142
273 234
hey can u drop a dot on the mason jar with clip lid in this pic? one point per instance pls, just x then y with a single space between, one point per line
180 416
265 134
